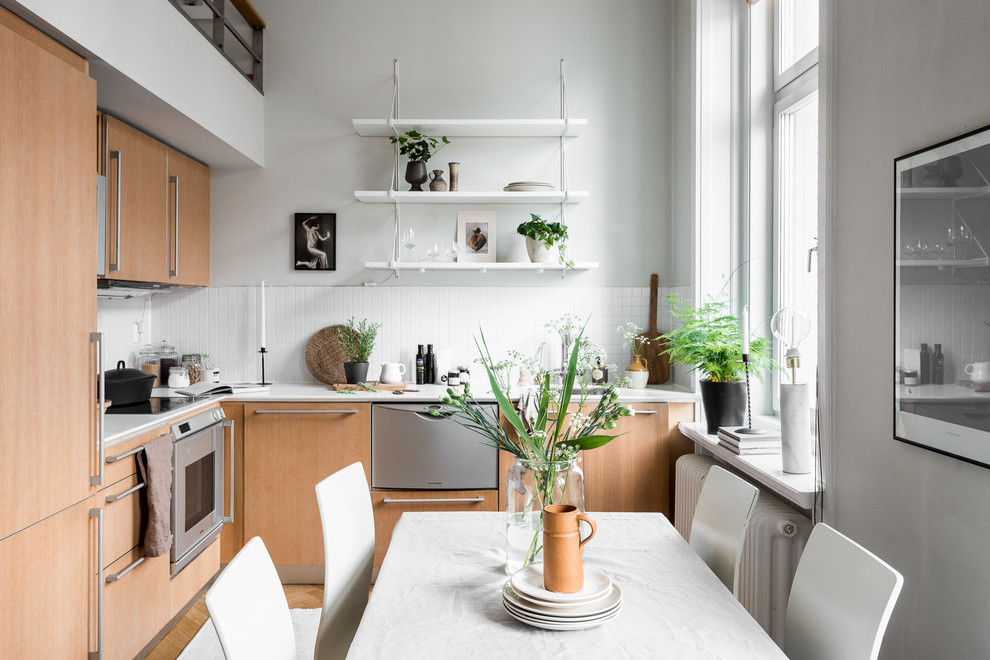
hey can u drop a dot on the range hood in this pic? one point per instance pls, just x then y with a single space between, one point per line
123 290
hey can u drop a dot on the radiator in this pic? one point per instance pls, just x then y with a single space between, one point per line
774 542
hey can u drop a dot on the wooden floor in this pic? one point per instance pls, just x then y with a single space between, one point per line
302 596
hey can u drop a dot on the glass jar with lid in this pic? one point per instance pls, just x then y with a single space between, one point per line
194 363
178 376
168 358
150 362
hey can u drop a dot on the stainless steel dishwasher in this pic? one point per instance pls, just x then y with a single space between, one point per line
412 449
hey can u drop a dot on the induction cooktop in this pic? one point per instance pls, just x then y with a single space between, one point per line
156 405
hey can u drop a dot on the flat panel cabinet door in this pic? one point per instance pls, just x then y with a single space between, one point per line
47 288
141 215
288 449
48 586
232 536
188 221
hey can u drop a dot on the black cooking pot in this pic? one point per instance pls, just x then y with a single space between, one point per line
125 386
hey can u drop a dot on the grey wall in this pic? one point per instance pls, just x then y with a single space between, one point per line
327 63
909 73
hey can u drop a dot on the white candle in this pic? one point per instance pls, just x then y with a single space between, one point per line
745 330
263 342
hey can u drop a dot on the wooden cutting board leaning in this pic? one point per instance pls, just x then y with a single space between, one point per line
651 348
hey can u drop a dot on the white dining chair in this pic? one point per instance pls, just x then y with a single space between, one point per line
718 529
840 601
348 554
248 608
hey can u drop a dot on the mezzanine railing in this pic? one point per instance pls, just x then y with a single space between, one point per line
212 18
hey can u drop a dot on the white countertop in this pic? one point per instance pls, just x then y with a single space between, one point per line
766 469
122 427
948 392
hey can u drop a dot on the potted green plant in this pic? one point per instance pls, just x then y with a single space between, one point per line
542 236
419 148
709 341
357 342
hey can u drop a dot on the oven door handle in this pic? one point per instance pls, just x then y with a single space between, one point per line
229 423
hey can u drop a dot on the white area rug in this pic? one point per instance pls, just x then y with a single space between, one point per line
206 645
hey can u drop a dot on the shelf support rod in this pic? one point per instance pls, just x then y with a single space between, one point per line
393 115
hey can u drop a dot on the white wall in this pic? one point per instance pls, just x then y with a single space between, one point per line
330 62
909 73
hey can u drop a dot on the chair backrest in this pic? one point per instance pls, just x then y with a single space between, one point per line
248 607
348 553
718 529
841 600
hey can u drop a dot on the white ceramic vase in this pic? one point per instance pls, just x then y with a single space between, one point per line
538 253
637 379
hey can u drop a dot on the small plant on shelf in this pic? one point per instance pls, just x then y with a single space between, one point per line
419 147
546 235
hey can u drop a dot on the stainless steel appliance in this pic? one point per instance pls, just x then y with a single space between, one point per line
411 449
197 485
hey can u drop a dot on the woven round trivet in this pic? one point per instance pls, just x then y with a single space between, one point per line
324 356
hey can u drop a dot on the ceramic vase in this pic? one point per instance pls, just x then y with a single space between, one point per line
355 372
437 184
455 170
538 252
637 373
416 175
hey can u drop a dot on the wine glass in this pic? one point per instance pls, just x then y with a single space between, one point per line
433 250
409 242
452 250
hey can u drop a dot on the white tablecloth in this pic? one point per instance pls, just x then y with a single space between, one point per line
438 595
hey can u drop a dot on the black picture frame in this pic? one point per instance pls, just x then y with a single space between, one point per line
942 298
316 241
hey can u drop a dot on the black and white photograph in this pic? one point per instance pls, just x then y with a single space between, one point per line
316 241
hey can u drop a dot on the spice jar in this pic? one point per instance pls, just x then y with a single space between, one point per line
178 377
150 362
211 372
168 359
194 363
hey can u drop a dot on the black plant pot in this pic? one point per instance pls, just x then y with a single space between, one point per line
725 404
355 372
416 174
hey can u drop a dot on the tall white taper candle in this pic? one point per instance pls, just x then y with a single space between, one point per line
745 330
263 323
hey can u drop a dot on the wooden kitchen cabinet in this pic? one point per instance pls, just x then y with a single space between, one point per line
188 236
136 605
47 291
137 174
288 449
232 536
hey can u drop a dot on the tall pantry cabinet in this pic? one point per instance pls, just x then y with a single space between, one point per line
48 436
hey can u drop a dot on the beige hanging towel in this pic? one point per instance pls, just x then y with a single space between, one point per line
155 463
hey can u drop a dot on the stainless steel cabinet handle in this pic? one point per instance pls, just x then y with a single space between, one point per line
116 498
175 246
390 500
116 155
229 519
97 479
120 457
642 412
305 412
117 576
98 653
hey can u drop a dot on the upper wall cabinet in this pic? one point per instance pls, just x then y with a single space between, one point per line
158 210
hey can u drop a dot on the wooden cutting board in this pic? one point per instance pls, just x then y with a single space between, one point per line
378 387
657 362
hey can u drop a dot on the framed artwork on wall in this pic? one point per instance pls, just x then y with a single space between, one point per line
942 297
476 236
316 241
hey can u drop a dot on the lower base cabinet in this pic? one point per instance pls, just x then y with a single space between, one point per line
135 603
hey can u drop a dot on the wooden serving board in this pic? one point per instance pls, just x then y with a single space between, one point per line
657 362
979 387
378 387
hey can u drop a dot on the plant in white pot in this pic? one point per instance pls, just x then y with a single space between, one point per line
709 341
542 237
419 148
357 342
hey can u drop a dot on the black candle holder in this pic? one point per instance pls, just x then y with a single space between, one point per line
263 352
748 429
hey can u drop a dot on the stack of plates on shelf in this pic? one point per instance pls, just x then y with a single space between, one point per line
526 600
528 186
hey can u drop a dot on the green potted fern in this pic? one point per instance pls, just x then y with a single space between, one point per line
709 341
357 342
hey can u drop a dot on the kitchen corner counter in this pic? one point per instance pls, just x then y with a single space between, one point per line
123 427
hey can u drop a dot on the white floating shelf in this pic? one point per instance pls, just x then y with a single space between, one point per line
474 197
423 266
473 127
944 263
943 193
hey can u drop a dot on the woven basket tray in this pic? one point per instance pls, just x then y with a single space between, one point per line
324 356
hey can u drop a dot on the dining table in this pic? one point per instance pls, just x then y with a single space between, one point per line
439 595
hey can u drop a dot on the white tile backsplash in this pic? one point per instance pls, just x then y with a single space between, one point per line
223 321
116 319
948 315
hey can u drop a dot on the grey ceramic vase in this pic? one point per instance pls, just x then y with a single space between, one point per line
416 175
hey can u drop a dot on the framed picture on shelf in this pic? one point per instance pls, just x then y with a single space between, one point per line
316 241
476 236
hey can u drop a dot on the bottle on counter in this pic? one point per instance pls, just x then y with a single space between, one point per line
925 369
420 366
429 366
938 366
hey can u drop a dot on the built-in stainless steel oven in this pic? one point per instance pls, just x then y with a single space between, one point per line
198 501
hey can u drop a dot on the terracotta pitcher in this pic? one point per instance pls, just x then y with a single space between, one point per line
562 544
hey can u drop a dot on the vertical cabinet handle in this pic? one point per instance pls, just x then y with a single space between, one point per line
115 155
230 424
98 653
97 337
175 245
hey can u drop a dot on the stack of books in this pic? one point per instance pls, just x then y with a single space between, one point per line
746 444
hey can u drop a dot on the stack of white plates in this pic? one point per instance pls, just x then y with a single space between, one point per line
528 186
526 600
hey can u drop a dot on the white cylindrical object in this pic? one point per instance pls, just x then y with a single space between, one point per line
263 338
745 330
795 429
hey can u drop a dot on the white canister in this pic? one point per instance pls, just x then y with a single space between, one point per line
795 429
178 377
